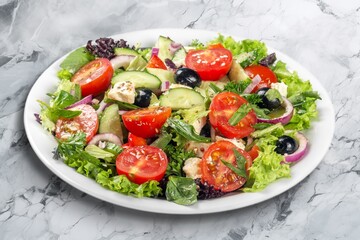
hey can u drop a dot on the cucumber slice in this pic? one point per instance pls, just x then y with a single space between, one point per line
163 44
140 79
180 98
110 121
179 57
162 74
126 51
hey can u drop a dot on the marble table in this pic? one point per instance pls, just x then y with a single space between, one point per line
324 36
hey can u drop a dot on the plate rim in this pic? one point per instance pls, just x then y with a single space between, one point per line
203 206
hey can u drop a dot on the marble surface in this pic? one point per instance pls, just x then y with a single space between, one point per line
323 36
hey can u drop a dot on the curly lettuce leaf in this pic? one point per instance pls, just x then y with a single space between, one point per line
302 96
267 168
72 151
246 52
190 115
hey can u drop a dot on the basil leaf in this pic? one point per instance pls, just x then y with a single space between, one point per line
242 111
181 190
66 113
186 130
63 100
76 59
162 141
240 169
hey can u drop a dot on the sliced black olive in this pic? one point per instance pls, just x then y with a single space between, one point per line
267 103
143 97
286 144
187 77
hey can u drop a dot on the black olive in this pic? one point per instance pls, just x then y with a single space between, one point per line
205 131
187 77
265 102
286 144
143 97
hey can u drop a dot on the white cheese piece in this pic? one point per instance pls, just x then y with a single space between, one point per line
175 85
192 168
197 147
123 92
281 87
237 142
199 124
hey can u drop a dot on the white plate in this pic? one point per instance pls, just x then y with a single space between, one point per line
43 143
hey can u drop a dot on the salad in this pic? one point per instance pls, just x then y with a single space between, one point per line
179 122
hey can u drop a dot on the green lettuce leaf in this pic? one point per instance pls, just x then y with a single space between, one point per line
181 190
301 94
192 114
246 52
76 59
267 168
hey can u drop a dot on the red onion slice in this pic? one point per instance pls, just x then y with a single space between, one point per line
301 151
255 81
165 86
154 51
174 47
122 112
102 106
283 119
109 137
85 100
121 61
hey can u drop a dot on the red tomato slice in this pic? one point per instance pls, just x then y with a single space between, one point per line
211 64
146 122
254 152
86 122
142 163
134 140
215 173
95 77
156 62
266 74
222 108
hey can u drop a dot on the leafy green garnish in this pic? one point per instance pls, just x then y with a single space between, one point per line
274 130
162 141
242 111
185 130
215 88
240 168
190 115
76 59
177 156
64 74
273 94
197 44
72 151
181 190
237 87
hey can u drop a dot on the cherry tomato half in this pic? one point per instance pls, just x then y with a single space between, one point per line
266 74
95 77
134 140
86 122
142 163
146 122
211 64
215 173
254 152
156 62
222 108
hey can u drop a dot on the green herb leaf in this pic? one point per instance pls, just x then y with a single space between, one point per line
215 88
237 87
242 111
181 190
76 59
177 156
162 141
186 130
273 94
240 169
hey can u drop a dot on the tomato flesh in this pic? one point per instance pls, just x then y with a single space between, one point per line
94 78
222 108
266 74
211 64
146 122
156 62
142 163
134 140
217 174
254 152
86 122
